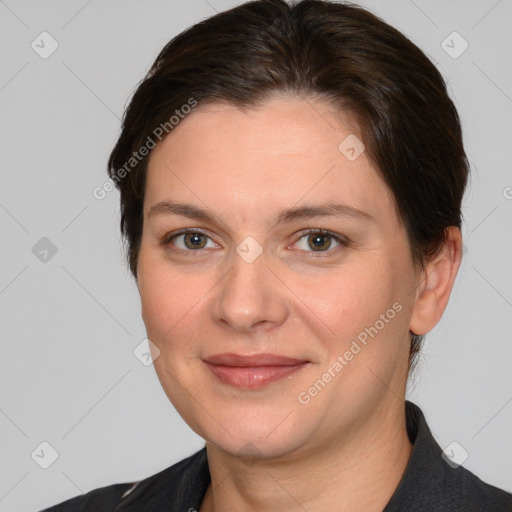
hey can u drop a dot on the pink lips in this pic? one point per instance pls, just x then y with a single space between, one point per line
252 372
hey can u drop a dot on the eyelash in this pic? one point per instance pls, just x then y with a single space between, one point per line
343 242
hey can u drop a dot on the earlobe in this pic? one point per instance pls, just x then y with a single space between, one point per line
436 283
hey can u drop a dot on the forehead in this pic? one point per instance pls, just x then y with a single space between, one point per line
281 125
281 152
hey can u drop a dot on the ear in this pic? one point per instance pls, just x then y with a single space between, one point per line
436 283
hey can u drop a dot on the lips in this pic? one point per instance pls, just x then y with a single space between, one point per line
254 371
229 359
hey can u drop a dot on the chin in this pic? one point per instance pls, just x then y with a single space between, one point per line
255 435
247 447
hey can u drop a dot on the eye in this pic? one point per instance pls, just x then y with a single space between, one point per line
319 240
189 241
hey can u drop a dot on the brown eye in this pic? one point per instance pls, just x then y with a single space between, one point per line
319 241
189 241
194 240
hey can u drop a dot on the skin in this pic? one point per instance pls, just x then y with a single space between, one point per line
266 450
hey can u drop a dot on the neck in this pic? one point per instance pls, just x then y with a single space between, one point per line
358 475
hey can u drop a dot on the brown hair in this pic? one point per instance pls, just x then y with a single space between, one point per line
333 51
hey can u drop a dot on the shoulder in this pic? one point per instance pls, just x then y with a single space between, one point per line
156 489
460 489
477 493
433 482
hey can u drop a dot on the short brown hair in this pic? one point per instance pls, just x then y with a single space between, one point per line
338 52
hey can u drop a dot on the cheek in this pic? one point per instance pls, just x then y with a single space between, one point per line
346 301
168 298
363 304
345 308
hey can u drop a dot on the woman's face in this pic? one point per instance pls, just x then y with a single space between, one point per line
251 279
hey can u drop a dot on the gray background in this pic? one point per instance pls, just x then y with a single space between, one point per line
69 325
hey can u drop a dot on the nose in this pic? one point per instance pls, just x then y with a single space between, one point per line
250 297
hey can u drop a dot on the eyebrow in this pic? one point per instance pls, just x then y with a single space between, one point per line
286 216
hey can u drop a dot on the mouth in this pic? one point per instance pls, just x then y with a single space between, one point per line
252 372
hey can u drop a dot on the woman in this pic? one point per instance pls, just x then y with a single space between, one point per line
291 179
